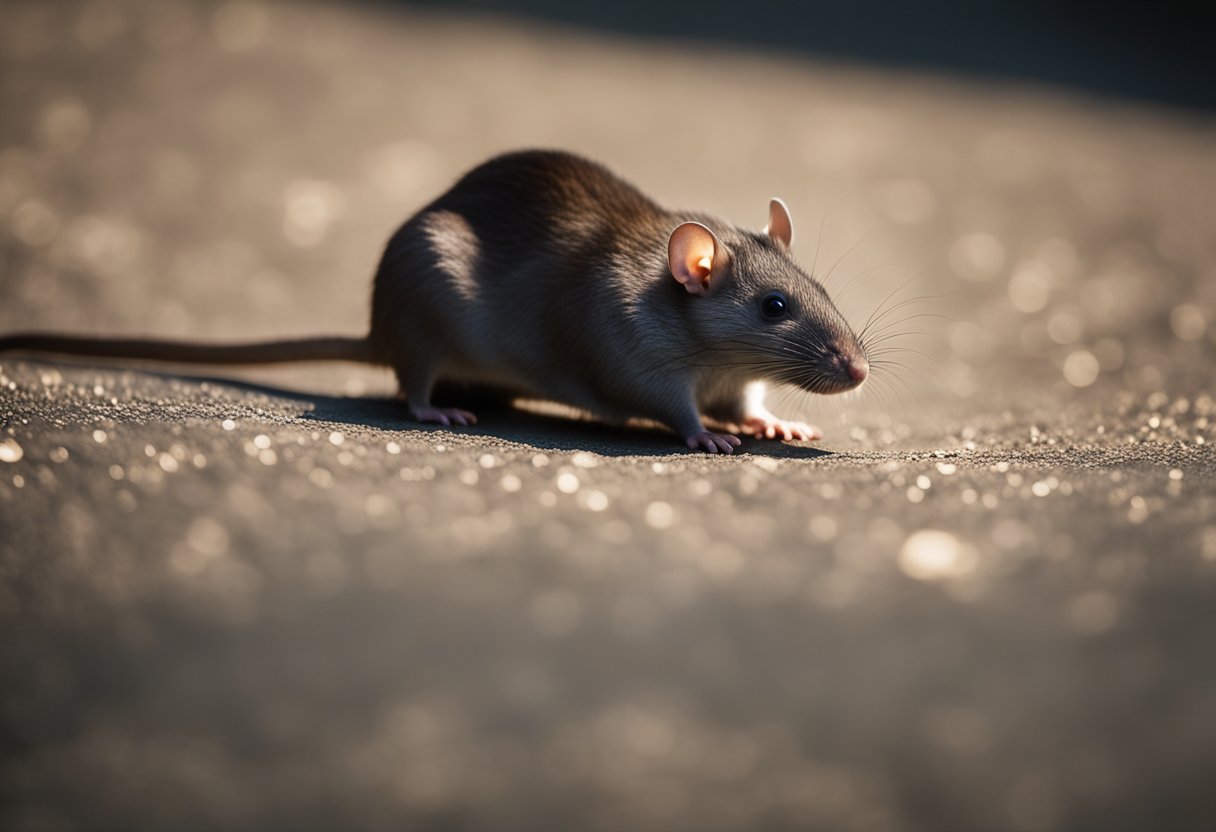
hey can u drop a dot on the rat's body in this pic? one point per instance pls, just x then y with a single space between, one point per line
545 274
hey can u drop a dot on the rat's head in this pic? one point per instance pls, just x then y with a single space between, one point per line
759 313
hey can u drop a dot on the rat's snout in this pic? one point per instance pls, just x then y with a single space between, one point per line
851 368
858 369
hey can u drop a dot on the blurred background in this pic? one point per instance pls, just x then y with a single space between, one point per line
275 605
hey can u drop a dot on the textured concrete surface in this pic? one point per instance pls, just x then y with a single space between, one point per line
264 601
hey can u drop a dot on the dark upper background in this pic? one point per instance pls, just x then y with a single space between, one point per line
1154 51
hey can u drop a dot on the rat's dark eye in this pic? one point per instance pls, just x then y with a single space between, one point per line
774 306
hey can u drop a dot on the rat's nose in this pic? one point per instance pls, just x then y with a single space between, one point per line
859 369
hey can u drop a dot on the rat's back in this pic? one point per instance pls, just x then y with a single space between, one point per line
537 192
505 276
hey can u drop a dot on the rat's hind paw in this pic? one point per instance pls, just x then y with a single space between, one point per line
773 428
713 443
446 416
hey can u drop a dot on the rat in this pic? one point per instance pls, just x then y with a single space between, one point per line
544 274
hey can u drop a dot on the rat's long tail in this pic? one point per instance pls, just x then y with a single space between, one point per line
184 352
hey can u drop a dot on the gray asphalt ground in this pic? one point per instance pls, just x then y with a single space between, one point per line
264 600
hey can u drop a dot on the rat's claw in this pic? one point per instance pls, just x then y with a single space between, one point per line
773 428
446 416
713 443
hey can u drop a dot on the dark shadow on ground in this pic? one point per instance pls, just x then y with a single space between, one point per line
498 419
537 430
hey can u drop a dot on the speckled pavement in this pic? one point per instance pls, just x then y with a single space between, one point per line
263 600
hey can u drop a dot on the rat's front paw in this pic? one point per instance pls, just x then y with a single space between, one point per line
446 416
713 443
770 427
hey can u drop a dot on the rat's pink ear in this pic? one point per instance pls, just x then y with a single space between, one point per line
696 258
780 227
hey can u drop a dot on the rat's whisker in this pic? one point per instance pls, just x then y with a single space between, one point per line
880 315
841 258
894 336
852 282
884 328
901 305
885 301
819 240
925 355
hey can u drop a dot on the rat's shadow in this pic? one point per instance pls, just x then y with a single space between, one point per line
497 418
543 431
